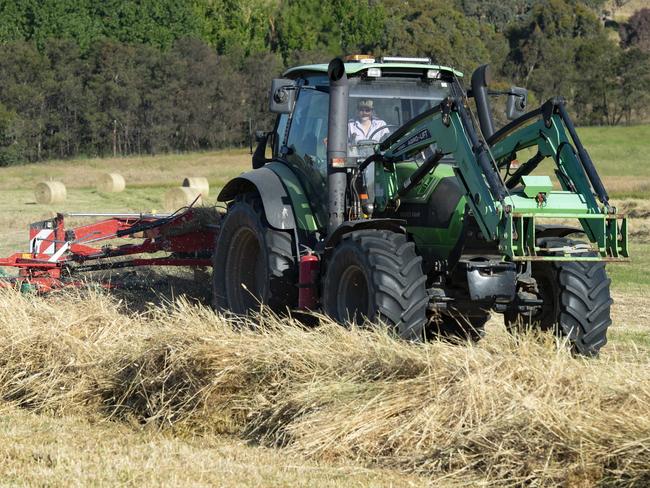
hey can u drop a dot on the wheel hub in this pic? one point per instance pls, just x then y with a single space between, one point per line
353 296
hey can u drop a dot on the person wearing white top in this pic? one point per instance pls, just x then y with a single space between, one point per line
366 126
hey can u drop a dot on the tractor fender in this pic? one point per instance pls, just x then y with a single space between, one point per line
396 225
277 204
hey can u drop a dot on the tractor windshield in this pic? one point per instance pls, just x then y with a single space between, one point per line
379 106
396 100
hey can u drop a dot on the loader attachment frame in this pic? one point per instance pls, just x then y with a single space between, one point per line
505 212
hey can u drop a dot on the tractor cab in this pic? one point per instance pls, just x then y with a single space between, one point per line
383 95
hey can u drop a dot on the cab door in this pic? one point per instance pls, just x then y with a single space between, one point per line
301 143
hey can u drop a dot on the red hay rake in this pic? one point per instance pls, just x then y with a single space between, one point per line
56 254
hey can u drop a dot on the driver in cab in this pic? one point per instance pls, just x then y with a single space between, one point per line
366 127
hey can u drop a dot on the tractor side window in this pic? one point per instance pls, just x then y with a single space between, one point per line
308 133
306 150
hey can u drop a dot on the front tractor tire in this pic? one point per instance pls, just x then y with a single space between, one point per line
253 264
377 275
576 302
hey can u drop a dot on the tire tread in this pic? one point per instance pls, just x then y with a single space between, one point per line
398 283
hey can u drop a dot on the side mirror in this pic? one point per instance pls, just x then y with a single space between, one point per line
517 102
261 135
283 96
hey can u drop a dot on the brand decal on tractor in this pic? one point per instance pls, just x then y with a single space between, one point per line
417 138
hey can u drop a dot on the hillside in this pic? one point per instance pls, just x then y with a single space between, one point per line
627 9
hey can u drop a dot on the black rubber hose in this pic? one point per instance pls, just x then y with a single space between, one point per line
524 169
584 158
421 172
370 159
480 152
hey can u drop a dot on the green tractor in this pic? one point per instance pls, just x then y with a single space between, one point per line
388 199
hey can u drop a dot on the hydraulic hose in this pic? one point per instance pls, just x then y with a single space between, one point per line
586 161
482 156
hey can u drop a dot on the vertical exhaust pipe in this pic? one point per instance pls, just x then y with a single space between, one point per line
337 143
481 78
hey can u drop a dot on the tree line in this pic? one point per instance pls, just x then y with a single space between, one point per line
118 77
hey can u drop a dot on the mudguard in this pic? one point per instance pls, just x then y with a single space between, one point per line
285 204
277 205
396 225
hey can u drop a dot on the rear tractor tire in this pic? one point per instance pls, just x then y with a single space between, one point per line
377 275
576 300
253 264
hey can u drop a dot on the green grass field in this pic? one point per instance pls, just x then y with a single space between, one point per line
618 151
636 273
620 155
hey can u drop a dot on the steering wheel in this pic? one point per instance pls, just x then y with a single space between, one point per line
378 129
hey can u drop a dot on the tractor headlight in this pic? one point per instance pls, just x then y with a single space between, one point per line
374 73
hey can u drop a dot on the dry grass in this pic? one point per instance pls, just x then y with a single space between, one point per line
629 7
638 213
634 208
46 450
502 413
628 186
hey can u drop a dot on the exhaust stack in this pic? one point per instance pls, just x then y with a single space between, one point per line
337 143
481 78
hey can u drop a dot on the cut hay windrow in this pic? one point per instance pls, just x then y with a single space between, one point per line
507 412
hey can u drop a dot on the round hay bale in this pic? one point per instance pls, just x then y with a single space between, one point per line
182 196
111 183
198 182
48 192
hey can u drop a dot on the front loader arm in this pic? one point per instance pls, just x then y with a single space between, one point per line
447 128
549 136
504 213
550 129
546 127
